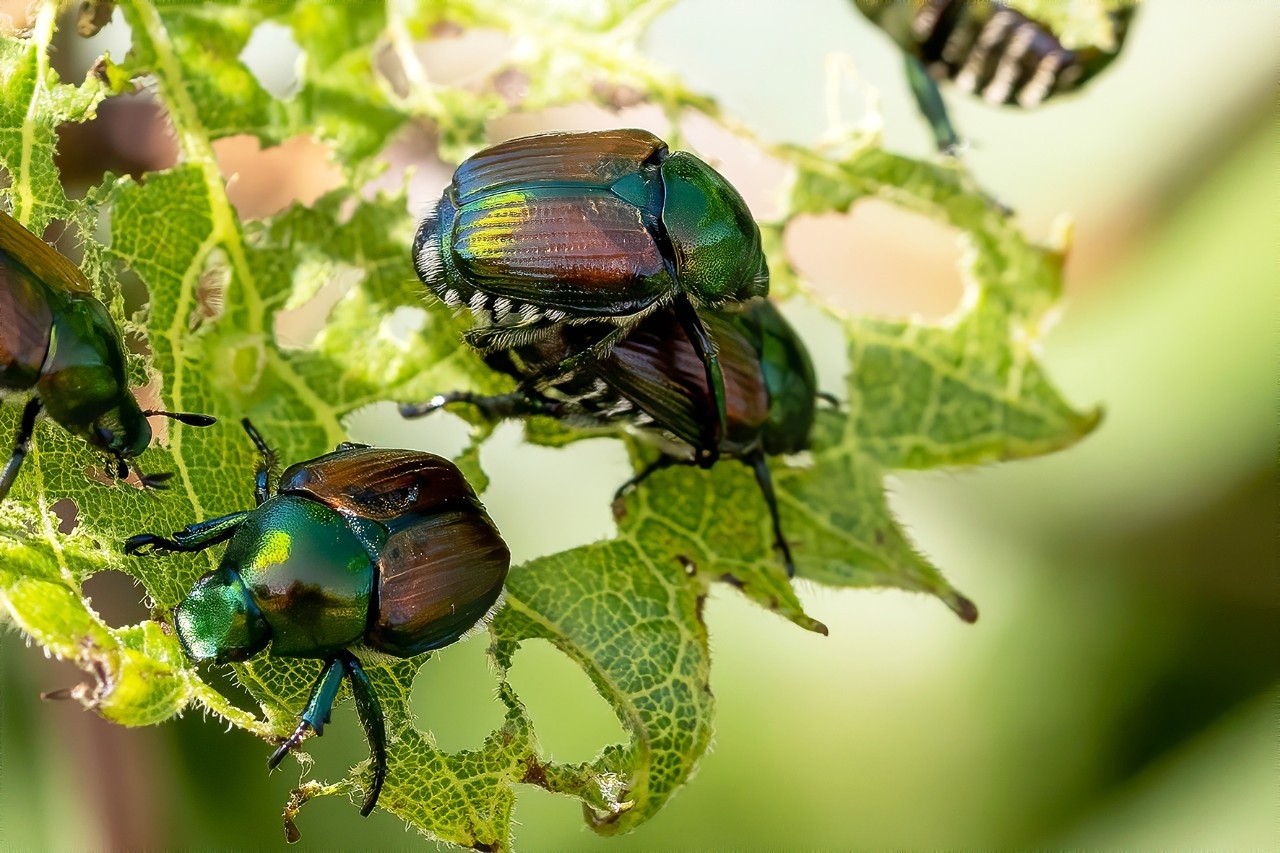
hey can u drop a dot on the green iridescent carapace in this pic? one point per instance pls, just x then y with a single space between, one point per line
389 549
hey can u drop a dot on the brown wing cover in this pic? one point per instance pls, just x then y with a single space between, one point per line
575 248
436 579
382 485
44 261
657 369
572 159
25 323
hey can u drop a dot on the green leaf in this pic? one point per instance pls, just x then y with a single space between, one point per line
627 611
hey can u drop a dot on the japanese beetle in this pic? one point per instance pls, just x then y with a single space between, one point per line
988 50
652 379
59 342
386 548
581 227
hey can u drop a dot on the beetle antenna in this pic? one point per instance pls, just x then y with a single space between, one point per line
262 480
188 418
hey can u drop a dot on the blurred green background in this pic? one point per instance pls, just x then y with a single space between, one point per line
1120 689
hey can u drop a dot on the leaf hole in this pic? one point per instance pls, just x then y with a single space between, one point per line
546 499
413 166
454 696
116 597
72 55
572 720
317 288
455 58
131 135
263 181
443 433
880 260
272 55
68 514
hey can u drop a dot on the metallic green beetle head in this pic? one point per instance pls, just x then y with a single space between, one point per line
122 431
218 621
716 242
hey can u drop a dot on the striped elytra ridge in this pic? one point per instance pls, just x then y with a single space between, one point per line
991 50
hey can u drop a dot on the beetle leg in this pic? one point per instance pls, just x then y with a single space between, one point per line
262 479
662 462
494 407
318 710
597 351
192 538
765 480
705 347
369 711
830 399
929 99
21 445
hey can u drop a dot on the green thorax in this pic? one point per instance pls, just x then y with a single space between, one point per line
715 241
82 382
307 572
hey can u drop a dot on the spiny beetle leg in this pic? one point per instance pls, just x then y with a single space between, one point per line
705 347
765 480
929 99
318 710
21 446
159 480
192 538
597 351
370 712
494 407
630 486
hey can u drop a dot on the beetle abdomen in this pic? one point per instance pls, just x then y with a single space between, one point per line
26 321
995 52
436 578
657 369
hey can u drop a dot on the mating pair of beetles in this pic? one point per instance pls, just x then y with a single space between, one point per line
617 281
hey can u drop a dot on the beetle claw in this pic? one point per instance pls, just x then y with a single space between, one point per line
292 742
418 410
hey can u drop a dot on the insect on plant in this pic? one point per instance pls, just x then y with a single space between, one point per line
588 227
389 549
988 50
58 342
652 379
